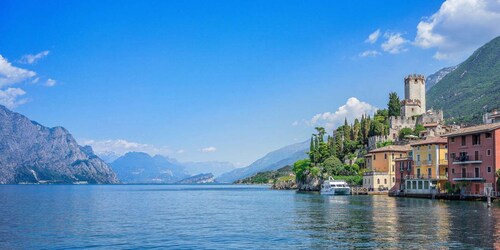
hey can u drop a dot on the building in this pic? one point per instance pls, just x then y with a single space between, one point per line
430 171
474 158
404 169
414 102
380 163
491 117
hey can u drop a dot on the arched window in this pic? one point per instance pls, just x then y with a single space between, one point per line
385 181
378 181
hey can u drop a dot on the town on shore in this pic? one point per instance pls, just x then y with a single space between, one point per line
405 150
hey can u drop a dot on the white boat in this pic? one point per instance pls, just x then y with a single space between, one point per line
333 187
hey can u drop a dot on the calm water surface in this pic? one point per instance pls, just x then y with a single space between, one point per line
229 216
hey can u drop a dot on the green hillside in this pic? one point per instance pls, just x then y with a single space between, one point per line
474 87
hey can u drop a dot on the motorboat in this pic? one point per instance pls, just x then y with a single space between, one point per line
335 187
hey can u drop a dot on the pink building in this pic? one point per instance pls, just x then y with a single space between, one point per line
474 157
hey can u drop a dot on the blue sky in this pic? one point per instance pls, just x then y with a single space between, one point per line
221 80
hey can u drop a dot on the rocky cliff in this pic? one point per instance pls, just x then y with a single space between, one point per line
32 153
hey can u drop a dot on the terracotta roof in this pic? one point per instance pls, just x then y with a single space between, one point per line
474 129
431 140
392 148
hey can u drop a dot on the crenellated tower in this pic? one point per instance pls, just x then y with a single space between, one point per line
414 102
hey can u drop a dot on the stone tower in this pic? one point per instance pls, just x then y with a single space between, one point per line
414 102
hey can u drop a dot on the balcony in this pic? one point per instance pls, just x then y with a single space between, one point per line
467 176
443 162
467 159
420 177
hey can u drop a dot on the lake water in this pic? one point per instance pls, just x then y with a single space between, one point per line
231 216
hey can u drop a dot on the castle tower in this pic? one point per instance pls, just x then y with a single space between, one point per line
414 102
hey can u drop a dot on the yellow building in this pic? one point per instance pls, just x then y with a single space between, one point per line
381 166
430 160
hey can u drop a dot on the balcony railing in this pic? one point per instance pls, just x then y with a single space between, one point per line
466 159
467 176
428 177
443 162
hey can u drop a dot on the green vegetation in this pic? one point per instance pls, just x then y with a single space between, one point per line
269 177
471 89
341 154
394 105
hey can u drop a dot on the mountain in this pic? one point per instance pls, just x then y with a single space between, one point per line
198 179
436 77
472 88
268 177
272 161
138 167
32 153
215 167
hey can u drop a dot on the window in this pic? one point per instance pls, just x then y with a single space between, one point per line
453 171
452 156
429 147
488 152
418 172
400 155
464 173
464 140
446 156
476 140
487 135
374 157
385 181
392 155
476 155
445 146
426 185
446 170
392 168
420 185
385 156
418 157
429 172
489 169
378 181
393 179
476 172
409 166
429 157
452 139
418 148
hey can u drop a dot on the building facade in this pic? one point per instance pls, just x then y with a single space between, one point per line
380 164
430 172
474 159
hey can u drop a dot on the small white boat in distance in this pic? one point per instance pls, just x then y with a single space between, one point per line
333 187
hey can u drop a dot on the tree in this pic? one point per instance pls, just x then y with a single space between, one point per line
332 166
418 128
356 128
301 168
404 132
394 105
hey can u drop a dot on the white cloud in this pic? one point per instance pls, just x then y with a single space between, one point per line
209 149
31 59
9 97
181 151
10 75
459 27
353 108
369 53
373 37
50 83
394 43
121 147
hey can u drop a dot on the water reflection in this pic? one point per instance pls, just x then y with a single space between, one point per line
381 221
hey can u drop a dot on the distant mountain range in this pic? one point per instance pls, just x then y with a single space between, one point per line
139 167
272 161
465 93
32 153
